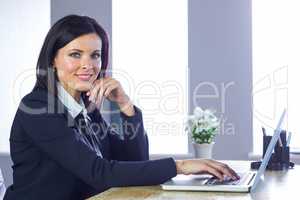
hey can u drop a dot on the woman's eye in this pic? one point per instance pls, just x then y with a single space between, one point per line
75 55
96 56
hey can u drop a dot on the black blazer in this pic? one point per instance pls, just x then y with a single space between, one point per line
50 162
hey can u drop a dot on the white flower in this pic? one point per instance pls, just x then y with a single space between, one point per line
202 125
198 113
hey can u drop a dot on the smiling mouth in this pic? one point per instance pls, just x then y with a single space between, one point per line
84 77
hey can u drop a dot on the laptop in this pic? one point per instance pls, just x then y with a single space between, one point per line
247 182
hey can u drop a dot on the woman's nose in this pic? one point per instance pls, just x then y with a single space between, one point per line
87 66
86 61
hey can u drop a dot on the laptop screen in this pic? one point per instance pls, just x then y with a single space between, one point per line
269 150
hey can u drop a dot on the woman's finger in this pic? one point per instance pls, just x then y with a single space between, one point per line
213 171
98 100
107 84
101 92
97 85
230 170
234 173
103 89
224 169
110 88
94 92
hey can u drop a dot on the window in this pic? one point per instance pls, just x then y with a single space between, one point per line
150 58
24 25
276 66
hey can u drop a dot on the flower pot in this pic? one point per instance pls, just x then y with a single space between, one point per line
203 150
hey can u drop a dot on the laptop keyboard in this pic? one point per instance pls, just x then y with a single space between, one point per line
228 180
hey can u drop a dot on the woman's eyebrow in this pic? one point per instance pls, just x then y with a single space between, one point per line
76 50
82 50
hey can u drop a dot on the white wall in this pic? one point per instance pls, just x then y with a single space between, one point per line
23 25
150 59
276 62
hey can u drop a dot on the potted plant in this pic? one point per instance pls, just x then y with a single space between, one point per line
202 126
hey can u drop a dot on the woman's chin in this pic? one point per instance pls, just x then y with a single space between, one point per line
83 87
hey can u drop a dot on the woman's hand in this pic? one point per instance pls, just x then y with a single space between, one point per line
201 166
112 90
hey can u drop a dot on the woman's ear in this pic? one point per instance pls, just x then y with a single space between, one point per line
55 60
53 67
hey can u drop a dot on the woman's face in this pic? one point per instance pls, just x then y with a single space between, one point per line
78 63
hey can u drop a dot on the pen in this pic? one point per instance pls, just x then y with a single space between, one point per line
279 141
264 131
289 139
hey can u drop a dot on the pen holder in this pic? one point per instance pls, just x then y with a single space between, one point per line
280 158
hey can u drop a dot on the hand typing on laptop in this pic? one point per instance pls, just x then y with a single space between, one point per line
202 166
223 180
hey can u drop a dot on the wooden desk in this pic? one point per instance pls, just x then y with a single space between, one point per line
281 185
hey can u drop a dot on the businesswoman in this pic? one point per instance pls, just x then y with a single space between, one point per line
60 145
